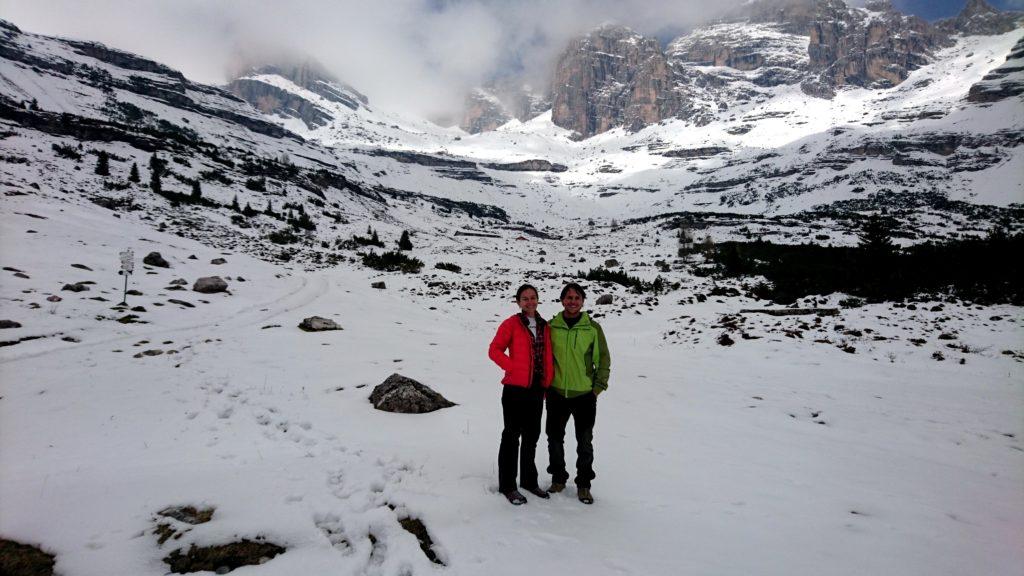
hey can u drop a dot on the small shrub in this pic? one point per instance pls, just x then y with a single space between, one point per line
285 236
393 261
67 152
449 267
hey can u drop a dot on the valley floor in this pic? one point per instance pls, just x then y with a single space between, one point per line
776 455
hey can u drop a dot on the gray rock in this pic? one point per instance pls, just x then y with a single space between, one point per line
179 282
605 299
9 324
379 285
210 285
611 263
406 396
78 287
218 261
155 259
318 324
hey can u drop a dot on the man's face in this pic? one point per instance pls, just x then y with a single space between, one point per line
572 303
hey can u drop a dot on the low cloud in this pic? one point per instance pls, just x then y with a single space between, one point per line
419 56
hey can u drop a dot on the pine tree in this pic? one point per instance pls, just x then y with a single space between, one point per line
404 243
270 209
154 182
369 230
234 204
197 191
374 238
103 164
248 211
133 176
876 236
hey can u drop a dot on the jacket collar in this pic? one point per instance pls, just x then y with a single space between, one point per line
559 322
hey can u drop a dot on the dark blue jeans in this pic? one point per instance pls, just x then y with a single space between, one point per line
583 410
521 409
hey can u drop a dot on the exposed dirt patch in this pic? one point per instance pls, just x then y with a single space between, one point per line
416 527
225 556
18 559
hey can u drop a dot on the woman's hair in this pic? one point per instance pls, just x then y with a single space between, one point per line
524 288
575 287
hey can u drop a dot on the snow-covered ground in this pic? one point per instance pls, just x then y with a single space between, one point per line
780 454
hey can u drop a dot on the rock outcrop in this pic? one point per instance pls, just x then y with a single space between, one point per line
876 48
978 18
609 78
407 396
254 87
1005 81
490 106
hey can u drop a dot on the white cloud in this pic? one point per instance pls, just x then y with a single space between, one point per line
417 55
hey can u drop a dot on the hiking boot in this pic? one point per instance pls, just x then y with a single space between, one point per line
556 487
584 495
536 491
515 497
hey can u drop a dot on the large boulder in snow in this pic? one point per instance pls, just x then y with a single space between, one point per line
407 396
210 285
318 324
155 259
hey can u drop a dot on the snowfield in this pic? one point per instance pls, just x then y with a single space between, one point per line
776 455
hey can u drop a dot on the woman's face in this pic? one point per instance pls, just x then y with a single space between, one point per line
528 302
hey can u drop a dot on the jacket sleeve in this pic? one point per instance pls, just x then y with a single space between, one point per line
496 351
604 362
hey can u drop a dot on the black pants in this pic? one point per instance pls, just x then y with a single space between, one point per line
521 409
583 410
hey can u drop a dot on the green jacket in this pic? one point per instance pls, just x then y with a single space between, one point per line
582 360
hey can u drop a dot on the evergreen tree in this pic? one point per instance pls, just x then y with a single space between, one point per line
369 230
248 211
270 209
876 236
154 182
404 243
103 163
197 191
234 204
133 176
374 238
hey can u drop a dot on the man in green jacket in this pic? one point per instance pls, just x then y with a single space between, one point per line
582 366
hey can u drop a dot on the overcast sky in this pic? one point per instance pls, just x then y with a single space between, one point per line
416 55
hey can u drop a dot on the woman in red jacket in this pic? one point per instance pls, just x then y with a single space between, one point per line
529 368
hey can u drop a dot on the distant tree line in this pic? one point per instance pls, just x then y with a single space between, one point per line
983 270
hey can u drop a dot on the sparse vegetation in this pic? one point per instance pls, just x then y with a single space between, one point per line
982 270
449 267
392 261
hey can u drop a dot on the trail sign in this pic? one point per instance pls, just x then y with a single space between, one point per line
127 267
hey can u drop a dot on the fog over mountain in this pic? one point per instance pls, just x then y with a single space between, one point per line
420 56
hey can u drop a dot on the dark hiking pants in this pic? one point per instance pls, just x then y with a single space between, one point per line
521 409
583 410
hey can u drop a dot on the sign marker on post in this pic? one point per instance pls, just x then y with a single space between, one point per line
127 267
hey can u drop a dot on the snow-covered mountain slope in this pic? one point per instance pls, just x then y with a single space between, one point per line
760 149
784 453
882 440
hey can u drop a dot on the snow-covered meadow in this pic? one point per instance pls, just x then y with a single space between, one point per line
780 454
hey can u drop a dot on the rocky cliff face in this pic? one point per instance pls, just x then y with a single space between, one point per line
307 74
612 77
875 48
1003 82
488 107
978 18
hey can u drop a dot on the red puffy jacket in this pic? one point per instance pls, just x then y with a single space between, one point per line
518 364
